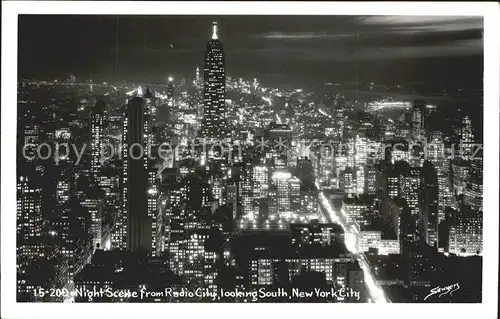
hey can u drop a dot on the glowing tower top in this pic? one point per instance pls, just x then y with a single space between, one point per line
214 34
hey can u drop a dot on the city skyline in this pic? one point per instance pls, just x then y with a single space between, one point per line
282 159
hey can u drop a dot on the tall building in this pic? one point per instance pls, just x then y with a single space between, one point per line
214 114
418 119
466 139
410 184
170 93
305 170
326 164
31 135
198 93
232 198
94 207
139 227
119 232
460 171
339 122
72 230
29 220
435 149
407 229
473 194
371 180
260 186
347 181
401 191
133 226
296 196
283 181
198 83
435 153
430 203
97 140
151 151
280 137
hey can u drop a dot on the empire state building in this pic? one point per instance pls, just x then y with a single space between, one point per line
214 107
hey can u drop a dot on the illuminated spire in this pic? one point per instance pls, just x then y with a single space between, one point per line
214 34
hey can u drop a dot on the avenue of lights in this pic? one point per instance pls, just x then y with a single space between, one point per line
376 293
325 114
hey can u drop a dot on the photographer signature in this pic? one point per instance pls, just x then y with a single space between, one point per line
443 290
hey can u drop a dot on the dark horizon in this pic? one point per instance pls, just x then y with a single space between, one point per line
276 49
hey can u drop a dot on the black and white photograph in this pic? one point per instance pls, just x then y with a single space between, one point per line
161 156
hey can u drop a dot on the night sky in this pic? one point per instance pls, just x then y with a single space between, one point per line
276 49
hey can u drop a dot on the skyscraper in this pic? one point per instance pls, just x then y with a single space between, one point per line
198 81
214 117
418 119
466 140
94 207
430 202
133 226
151 151
97 139
139 237
436 155
170 92
198 93
29 220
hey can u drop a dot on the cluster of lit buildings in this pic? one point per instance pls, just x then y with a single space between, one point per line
202 218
